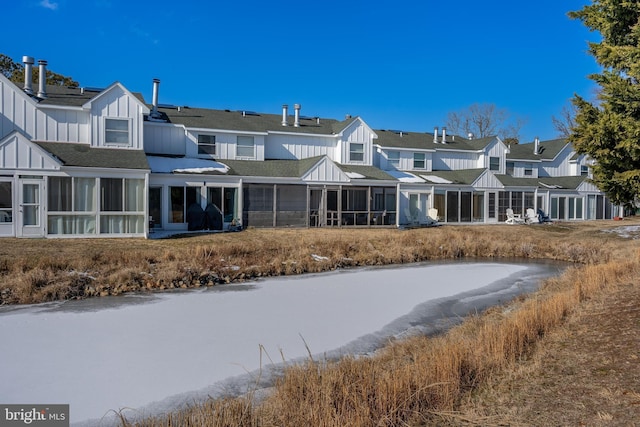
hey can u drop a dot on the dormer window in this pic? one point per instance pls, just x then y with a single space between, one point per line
494 163
356 152
116 131
207 144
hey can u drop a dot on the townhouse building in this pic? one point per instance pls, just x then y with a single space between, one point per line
80 162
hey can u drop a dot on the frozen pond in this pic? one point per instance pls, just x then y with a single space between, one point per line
154 352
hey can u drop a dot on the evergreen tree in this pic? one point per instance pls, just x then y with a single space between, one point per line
608 130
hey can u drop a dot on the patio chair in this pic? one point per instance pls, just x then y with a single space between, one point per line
531 217
412 220
513 218
432 216
542 217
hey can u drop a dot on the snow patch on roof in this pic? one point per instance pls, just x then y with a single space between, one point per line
436 179
405 176
184 165
354 175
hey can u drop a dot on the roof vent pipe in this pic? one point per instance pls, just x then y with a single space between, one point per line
470 135
28 74
444 135
296 117
536 146
42 70
435 135
154 101
285 112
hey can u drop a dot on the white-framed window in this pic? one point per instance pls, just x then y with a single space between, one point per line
206 144
528 169
116 131
494 163
419 161
511 167
584 170
393 157
356 152
246 147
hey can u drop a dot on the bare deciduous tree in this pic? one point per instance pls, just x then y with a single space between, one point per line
566 121
484 120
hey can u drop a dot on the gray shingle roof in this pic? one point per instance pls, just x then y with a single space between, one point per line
250 121
464 176
561 182
271 168
74 96
83 155
421 140
285 168
548 150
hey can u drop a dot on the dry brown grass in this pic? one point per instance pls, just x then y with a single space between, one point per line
418 381
45 270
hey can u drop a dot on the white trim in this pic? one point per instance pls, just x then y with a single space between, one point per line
59 107
108 144
211 130
87 105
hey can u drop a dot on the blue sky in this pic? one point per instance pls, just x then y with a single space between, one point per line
399 65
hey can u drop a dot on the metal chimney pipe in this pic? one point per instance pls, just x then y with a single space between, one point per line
42 71
28 74
156 87
296 117
285 113
435 135
536 146
444 135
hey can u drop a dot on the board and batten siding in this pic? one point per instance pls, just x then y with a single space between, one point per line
117 104
487 181
455 160
325 171
294 147
359 133
164 138
405 160
17 110
559 166
18 153
65 126
226 144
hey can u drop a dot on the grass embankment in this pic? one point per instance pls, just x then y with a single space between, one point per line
418 381
48 270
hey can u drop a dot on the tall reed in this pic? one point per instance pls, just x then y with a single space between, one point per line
417 380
